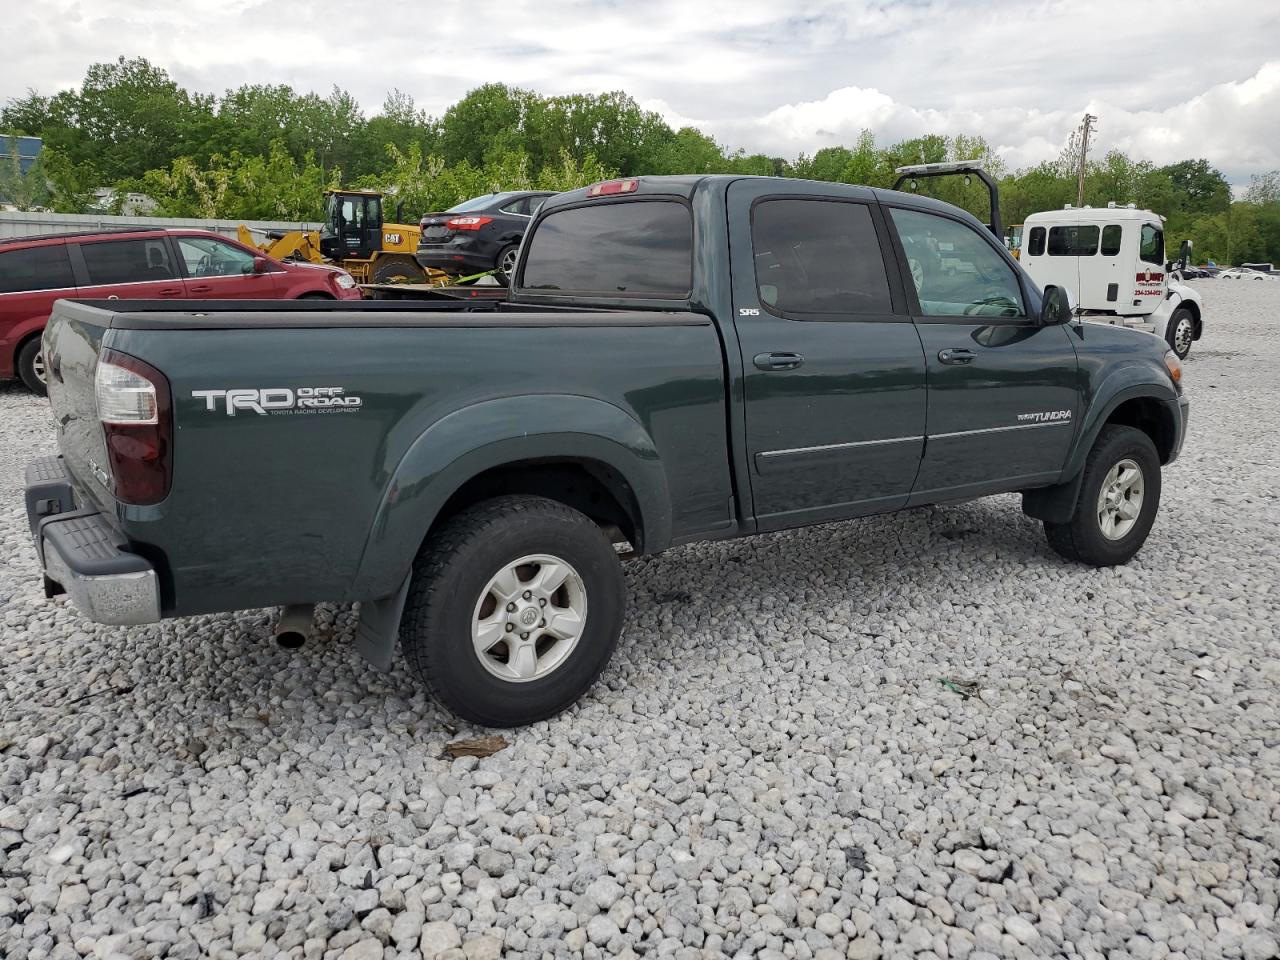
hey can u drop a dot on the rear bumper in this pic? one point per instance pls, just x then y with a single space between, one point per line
84 556
460 256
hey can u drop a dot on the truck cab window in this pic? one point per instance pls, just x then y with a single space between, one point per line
1081 241
1151 244
1111 235
818 257
956 272
636 248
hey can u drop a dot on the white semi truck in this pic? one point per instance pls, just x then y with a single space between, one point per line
1114 258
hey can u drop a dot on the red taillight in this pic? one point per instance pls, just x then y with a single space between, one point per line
610 187
135 410
468 223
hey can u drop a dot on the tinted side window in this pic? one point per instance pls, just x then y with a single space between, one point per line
1035 246
1111 235
818 257
637 248
127 261
518 207
1073 241
1151 244
956 272
35 268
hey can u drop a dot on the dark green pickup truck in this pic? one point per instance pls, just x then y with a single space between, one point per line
679 359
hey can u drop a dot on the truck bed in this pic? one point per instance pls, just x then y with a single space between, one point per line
321 503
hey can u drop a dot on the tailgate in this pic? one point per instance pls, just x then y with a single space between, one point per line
72 343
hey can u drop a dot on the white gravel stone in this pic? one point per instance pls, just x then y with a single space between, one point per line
437 937
769 767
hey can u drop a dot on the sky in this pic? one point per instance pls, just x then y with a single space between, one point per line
1167 80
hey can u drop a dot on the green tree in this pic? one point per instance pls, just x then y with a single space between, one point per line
1198 187
275 187
488 122
26 191
686 151
1263 188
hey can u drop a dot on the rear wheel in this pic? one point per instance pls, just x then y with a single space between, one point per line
514 608
506 262
1119 497
1180 332
30 366
398 269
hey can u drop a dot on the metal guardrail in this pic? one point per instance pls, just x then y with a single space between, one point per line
25 224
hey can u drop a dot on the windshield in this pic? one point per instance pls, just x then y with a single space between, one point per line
475 203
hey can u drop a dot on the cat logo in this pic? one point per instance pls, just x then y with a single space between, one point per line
390 238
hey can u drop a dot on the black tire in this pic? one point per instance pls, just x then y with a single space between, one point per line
449 579
315 296
1082 539
507 251
27 365
398 270
1180 331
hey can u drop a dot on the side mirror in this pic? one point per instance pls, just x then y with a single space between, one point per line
259 264
1057 307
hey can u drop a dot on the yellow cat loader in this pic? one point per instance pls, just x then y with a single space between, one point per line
354 237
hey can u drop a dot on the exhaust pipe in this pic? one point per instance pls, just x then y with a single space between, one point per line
294 625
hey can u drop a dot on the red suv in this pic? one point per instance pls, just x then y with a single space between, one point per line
137 264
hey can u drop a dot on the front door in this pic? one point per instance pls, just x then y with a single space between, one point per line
220 270
833 368
1003 390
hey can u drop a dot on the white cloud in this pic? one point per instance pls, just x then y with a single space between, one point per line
1169 79
1229 124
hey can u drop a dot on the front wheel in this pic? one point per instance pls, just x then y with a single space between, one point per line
1181 330
393 269
1119 497
514 609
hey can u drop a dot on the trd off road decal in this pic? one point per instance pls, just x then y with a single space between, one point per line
1044 416
279 401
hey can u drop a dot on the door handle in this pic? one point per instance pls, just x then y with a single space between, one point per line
956 355
202 288
170 291
778 361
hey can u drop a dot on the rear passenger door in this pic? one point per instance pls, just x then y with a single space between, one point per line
833 368
1003 390
142 268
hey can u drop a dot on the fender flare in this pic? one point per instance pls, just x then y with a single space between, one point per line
1057 503
493 433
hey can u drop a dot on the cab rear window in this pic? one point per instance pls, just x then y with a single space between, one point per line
636 248
35 268
1073 241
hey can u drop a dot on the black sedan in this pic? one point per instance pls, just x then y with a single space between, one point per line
479 234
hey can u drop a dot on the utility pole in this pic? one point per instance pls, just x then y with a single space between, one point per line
1089 120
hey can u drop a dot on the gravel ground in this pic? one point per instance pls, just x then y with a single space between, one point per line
770 767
